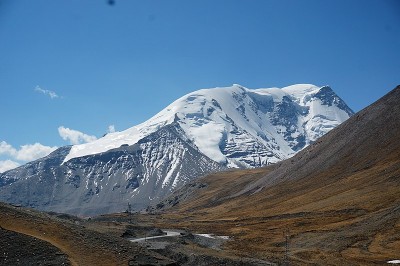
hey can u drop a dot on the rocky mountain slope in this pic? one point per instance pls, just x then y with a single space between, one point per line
205 131
337 201
20 250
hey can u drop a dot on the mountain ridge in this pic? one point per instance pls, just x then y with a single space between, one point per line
205 131
200 113
336 200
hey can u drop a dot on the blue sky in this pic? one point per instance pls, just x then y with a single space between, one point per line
120 64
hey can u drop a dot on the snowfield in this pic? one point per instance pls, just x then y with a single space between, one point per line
202 132
221 120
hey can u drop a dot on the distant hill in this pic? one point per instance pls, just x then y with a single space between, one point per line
337 200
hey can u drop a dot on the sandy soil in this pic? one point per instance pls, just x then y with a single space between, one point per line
82 246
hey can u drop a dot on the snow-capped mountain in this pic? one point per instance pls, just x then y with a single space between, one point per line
223 123
204 131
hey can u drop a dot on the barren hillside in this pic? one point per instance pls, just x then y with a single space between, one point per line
337 200
55 237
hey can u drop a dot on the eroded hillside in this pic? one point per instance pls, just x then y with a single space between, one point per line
337 200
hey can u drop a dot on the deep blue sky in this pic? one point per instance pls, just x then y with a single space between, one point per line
121 64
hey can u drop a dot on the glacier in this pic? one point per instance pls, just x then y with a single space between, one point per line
282 121
204 131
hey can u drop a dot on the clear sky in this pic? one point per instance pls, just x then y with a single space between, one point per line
70 70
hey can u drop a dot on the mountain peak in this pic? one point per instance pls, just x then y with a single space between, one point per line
269 124
204 131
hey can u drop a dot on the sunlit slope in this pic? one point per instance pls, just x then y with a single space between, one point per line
203 132
339 198
82 246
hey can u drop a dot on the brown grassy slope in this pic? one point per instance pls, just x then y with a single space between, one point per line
339 197
82 246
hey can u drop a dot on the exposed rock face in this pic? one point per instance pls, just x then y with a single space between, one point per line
106 182
368 137
339 197
205 131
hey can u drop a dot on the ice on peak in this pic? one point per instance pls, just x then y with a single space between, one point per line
211 117
326 87
299 91
300 88
238 86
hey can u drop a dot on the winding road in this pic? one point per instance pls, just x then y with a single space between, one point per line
168 233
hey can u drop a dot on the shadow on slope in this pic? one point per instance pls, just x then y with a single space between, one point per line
337 200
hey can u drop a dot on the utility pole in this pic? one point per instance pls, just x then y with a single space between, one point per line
286 234
130 212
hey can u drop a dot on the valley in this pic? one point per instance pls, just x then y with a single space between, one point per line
336 201
200 133
333 203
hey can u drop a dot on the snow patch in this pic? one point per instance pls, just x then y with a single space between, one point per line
207 138
227 120
213 236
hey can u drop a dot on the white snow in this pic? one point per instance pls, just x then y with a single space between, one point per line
207 137
169 176
205 235
299 91
213 236
322 118
394 261
211 117
276 93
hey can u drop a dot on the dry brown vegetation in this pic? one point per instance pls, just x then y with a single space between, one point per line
337 201
339 198
356 223
81 245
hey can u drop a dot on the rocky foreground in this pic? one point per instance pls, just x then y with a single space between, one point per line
64 239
